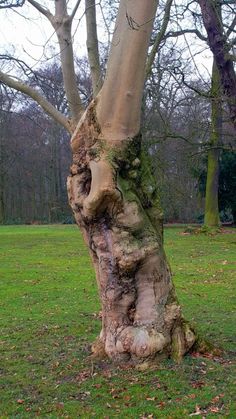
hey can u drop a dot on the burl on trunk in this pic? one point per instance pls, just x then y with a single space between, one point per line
114 199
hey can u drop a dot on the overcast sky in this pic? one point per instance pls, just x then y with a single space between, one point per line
28 35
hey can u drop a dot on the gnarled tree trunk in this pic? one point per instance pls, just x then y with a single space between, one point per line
114 200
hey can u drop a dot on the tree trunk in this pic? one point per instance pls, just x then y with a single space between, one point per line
2 182
217 40
114 199
212 218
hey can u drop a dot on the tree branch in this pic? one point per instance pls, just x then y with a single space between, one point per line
92 46
62 25
159 37
45 105
199 92
175 34
42 9
231 27
75 9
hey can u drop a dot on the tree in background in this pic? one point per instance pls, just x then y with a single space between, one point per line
221 47
227 183
212 218
223 82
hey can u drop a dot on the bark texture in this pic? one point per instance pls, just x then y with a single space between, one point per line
114 200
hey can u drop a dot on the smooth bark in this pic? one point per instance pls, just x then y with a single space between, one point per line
92 46
62 23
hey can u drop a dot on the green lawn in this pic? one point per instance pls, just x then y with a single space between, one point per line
49 316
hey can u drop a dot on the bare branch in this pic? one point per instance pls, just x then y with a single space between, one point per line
62 25
159 37
92 46
45 105
75 9
174 34
41 9
199 92
231 28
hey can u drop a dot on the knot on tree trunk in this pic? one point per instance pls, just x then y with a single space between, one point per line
113 195
104 194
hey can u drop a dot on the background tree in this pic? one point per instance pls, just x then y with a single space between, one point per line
221 48
227 183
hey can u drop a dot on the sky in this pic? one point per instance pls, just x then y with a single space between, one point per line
28 35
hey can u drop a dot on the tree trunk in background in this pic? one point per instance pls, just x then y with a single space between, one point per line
217 40
114 199
2 200
2 182
212 218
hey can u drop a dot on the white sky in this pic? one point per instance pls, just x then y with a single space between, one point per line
26 34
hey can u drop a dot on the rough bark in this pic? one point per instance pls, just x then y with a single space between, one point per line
114 200
212 218
219 47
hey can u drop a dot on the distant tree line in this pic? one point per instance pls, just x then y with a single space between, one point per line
176 127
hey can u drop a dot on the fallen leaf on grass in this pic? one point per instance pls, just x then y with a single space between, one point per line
197 411
191 396
60 405
20 401
161 404
97 385
217 398
214 409
198 384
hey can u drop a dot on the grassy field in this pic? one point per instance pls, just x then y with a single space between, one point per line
49 316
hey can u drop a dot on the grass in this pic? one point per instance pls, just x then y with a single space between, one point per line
49 316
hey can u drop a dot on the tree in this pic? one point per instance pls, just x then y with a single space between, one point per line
220 48
223 83
227 183
113 194
212 218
